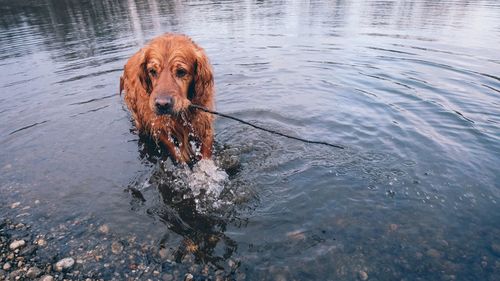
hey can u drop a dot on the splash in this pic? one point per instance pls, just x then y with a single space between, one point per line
206 176
202 184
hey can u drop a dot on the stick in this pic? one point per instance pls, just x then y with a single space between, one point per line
262 128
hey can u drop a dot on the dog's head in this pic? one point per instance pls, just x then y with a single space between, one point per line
173 72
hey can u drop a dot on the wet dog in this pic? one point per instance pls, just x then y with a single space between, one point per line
160 82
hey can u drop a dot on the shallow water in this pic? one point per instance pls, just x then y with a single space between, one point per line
411 88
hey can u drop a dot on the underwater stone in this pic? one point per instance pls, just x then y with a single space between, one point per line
17 244
65 263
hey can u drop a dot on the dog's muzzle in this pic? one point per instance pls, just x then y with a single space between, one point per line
164 105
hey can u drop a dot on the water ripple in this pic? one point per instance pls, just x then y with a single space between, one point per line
28 126
93 74
411 88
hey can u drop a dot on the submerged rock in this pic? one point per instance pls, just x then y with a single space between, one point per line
41 242
16 274
189 277
46 278
363 275
433 253
164 253
104 229
63 264
17 244
116 247
296 235
15 205
33 272
393 227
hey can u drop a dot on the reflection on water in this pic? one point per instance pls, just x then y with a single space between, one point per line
202 230
411 88
195 203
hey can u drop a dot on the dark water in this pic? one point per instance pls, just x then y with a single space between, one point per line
411 88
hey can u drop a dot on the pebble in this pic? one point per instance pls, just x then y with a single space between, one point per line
433 253
33 272
363 275
393 227
41 242
6 266
444 243
164 254
46 278
16 274
104 229
142 267
231 263
116 247
15 205
64 264
296 235
17 244
205 271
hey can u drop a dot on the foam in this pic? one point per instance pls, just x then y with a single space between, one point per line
205 175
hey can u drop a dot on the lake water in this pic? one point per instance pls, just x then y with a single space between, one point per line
410 88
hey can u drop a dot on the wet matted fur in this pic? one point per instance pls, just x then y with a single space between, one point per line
160 82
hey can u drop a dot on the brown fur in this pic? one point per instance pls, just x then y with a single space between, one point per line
172 66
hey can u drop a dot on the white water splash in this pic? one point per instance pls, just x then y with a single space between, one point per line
207 176
204 182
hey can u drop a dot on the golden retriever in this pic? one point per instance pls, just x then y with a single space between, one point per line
160 82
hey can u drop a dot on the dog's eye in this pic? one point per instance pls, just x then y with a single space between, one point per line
181 72
152 72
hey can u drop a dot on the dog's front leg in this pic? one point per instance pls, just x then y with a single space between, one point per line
173 150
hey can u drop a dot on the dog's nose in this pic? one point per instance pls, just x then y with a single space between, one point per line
164 104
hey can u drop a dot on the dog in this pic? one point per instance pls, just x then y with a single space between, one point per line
160 82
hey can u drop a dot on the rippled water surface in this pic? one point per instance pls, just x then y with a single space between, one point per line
410 88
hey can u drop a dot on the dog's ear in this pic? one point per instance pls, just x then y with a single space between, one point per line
143 74
201 93
136 69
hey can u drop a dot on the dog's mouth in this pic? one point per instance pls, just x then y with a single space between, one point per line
164 105
165 110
